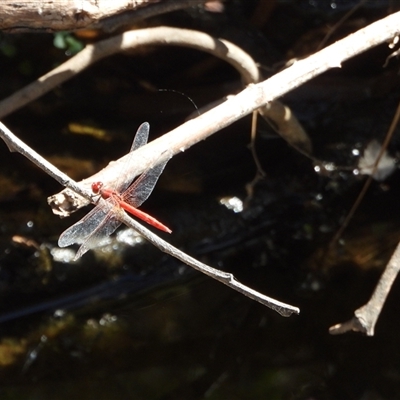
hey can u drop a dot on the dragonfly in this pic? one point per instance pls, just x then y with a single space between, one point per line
102 221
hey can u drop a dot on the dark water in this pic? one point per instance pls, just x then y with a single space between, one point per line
136 324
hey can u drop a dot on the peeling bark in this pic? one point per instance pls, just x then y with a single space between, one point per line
56 15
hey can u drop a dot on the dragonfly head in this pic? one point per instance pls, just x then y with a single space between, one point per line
96 187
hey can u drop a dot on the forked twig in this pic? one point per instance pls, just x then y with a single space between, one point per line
365 317
14 144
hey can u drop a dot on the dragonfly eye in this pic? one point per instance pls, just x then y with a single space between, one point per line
96 187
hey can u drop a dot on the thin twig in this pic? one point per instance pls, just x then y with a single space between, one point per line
224 277
365 317
14 144
369 179
342 20
260 173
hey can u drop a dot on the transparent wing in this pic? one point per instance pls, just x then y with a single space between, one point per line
140 139
141 189
90 230
104 230
78 232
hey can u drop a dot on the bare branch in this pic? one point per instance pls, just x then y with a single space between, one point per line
253 97
50 15
15 144
226 278
92 53
70 15
365 317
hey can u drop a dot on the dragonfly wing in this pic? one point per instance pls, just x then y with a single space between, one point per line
78 232
101 232
140 139
141 189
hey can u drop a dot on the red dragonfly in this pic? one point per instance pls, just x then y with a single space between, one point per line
101 222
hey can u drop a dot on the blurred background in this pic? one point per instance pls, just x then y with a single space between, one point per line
129 322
